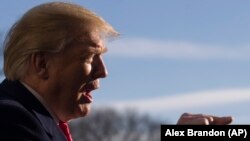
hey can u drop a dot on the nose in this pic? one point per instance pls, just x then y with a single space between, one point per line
99 70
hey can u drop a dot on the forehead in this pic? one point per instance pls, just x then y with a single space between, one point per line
93 39
91 43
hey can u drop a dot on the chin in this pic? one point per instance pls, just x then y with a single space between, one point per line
84 110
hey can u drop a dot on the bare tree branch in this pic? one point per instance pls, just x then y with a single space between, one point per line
110 125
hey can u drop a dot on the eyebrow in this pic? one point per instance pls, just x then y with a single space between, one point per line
97 50
93 47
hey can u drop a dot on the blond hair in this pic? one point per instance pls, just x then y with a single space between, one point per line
47 28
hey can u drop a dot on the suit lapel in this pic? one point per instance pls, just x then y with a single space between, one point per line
50 126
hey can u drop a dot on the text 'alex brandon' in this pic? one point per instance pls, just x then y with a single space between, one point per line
211 132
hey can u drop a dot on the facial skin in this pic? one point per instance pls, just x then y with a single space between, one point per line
65 80
74 73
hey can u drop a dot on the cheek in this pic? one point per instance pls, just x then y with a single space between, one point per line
79 74
78 78
86 68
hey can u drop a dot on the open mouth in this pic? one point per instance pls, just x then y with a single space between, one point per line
87 97
86 91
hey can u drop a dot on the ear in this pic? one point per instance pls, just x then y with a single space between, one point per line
39 61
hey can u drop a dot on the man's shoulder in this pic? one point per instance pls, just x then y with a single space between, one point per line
16 107
10 105
15 115
12 110
23 118
19 122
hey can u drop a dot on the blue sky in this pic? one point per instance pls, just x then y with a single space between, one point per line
173 56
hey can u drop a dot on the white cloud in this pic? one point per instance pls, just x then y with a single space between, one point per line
175 50
187 101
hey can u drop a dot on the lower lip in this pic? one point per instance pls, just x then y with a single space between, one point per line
87 98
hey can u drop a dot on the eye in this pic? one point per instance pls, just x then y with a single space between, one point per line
88 58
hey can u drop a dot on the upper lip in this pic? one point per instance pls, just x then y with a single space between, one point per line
90 86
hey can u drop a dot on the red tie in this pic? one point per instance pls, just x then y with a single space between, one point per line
65 128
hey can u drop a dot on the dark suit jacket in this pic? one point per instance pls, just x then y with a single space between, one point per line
23 117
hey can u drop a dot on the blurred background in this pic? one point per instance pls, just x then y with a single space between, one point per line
173 56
